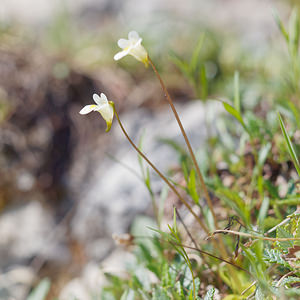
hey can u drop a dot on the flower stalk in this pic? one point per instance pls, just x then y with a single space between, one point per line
169 99
220 245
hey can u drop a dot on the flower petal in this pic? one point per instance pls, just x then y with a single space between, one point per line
103 98
133 35
97 99
100 100
122 43
107 113
139 53
87 109
121 54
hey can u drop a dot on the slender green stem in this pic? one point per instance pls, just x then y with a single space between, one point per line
203 185
203 226
249 287
197 249
211 255
253 236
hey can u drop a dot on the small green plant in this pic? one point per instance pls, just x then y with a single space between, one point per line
194 70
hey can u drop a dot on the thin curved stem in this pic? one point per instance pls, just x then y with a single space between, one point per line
253 236
221 244
203 226
212 255
203 185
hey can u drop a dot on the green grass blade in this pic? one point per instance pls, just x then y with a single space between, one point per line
196 53
294 32
280 25
192 187
236 114
203 79
290 145
233 112
181 65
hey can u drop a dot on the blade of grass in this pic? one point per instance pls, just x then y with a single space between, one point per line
290 145
235 114
196 53
280 25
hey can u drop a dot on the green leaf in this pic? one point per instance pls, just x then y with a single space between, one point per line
295 111
197 285
289 280
282 233
179 289
259 295
160 294
254 125
192 186
292 292
290 145
41 291
174 220
294 32
288 201
196 53
263 211
263 154
234 113
148 180
203 82
297 231
165 275
210 294
181 65
274 256
280 25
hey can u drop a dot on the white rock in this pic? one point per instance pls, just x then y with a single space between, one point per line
87 286
16 282
75 289
24 232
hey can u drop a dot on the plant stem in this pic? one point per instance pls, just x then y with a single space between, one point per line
203 185
191 237
211 255
276 226
249 287
203 226
284 276
220 245
255 236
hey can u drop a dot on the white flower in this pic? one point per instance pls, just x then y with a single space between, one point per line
103 106
133 47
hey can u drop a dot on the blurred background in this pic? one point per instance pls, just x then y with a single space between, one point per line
65 185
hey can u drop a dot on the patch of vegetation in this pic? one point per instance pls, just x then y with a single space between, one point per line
242 192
